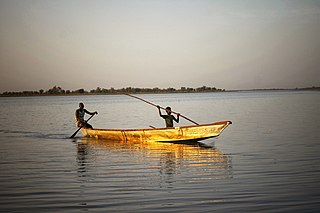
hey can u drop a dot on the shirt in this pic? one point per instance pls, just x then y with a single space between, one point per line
169 120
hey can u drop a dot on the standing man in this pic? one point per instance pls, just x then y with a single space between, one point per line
80 116
169 118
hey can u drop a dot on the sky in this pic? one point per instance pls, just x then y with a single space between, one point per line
240 44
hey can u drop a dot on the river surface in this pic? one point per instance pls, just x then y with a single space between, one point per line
268 160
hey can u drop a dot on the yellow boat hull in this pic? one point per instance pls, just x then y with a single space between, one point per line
175 134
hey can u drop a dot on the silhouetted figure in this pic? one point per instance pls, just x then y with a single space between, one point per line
80 116
169 118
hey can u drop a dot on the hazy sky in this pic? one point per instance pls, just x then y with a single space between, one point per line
240 44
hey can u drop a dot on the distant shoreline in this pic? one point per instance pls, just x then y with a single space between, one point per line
295 89
57 91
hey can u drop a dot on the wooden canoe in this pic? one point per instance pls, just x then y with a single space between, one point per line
174 134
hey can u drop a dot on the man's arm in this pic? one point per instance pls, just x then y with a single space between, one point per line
90 113
176 119
159 111
77 114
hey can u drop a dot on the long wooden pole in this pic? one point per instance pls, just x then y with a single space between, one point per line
161 108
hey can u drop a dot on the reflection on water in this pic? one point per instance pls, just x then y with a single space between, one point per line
81 159
161 162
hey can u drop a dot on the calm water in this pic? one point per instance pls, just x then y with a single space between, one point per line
266 161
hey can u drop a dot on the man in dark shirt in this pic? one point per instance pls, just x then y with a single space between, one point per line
80 116
169 118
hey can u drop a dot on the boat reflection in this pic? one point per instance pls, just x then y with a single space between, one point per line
168 159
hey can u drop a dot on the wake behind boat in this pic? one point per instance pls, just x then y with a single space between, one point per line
174 134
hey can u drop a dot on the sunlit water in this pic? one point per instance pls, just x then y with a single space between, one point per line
266 161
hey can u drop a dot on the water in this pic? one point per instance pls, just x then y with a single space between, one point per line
266 161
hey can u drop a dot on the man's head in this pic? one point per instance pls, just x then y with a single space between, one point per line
81 105
168 110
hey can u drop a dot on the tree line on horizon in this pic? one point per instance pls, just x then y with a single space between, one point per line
57 90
